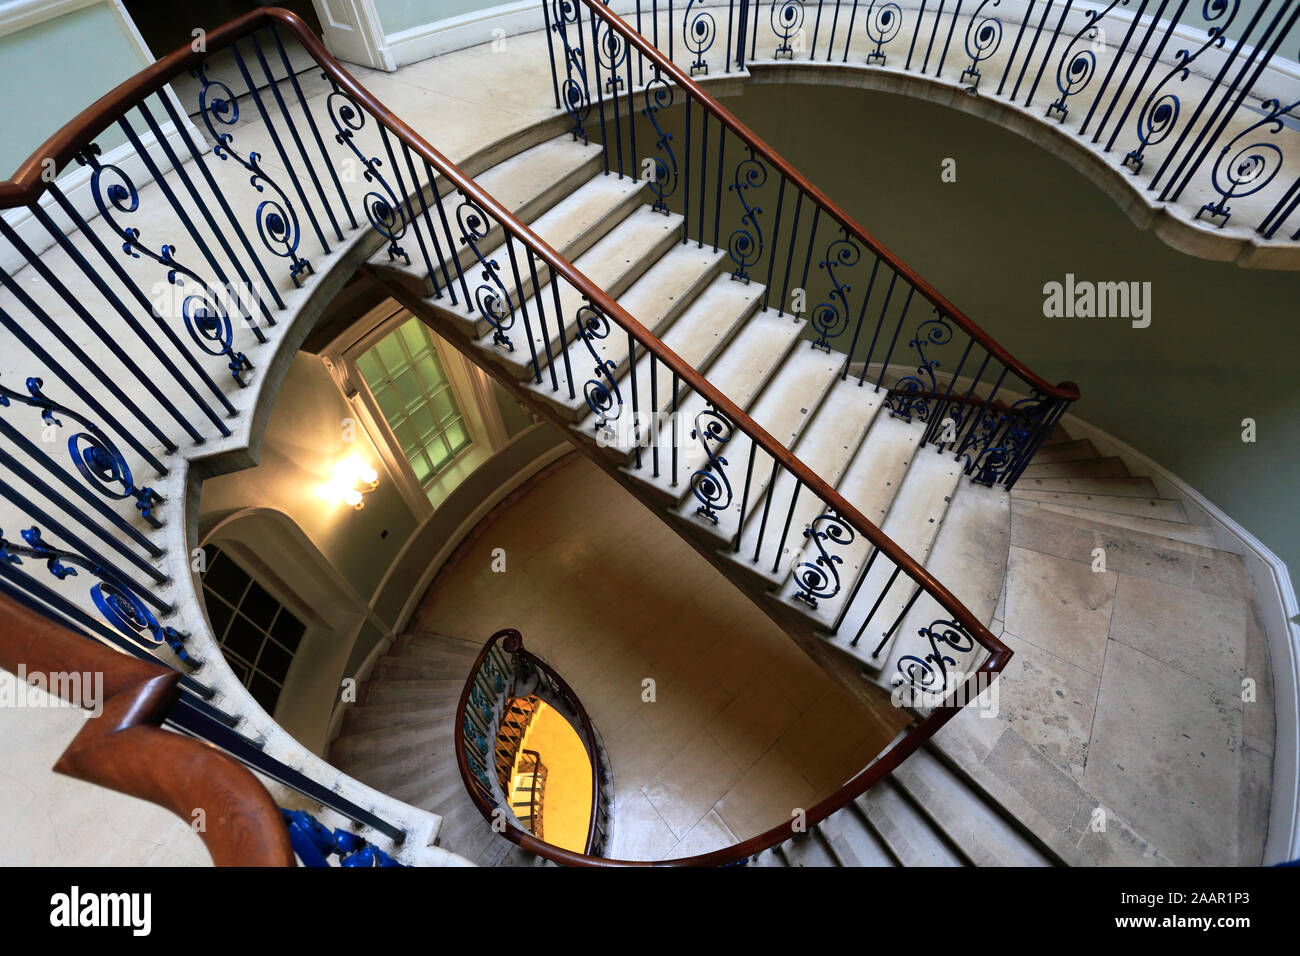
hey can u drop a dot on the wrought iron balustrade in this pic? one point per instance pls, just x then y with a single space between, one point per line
1197 100
503 673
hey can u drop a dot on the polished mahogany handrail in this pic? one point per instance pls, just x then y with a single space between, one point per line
125 748
512 642
1067 391
95 118
884 765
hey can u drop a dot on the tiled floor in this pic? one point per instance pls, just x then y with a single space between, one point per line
737 727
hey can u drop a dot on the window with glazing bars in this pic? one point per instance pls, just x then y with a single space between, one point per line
405 374
258 635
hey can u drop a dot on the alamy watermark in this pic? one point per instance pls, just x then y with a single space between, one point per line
1084 299
84 689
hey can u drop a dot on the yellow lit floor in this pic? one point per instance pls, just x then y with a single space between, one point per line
566 809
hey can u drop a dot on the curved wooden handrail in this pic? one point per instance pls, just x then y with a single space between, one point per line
851 790
1067 391
125 748
512 642
27 185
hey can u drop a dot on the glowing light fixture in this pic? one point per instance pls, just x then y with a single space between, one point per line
352 480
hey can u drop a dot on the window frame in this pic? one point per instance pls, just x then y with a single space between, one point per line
470 387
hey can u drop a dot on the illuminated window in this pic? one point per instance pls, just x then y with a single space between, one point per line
409 382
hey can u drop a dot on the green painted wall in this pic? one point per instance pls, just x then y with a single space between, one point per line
398 15
92 52
1223 340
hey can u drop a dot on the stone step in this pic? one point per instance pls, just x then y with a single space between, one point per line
1114 487
1166 509
698 336
852 841
1065 451
425 691
868 629
774 529
897 823
422 668
1076 468
363 717
784 409
612 262
807 849
970 559
1194 534
964 816
870 484
745 365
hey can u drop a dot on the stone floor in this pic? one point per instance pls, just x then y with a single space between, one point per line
743 727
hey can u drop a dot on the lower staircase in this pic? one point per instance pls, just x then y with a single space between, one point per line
399 739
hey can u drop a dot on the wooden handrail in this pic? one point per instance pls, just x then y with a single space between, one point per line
1067 391
125 749
512 642
854 788
95 118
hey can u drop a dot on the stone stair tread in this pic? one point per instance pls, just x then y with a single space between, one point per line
612 262
970 558
386 691
658 300
1126 487
853 842
1153 530
869 484
826 446
807 850
913 523
1111 467
514 182
753 353
908 835
1076 450
414 638
962 813
362 717
784 410
423 668
1167 509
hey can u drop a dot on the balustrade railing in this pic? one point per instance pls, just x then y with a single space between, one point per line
1197 100
196 251
502 673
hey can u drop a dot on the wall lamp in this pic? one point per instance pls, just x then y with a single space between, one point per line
352 480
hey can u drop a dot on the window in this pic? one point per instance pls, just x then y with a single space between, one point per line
258 635
406 376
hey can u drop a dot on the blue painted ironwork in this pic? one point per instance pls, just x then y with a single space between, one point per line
908 398
997 440
602 392
490 298
929 674
831 316
1077 67
820 579
116 598
574 91
709 484
315 843
277 221
206 316
1159 114
882 23
659 96
698 33
1245 170
983 35
745 246
611 53
787 18
94 454
383 208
